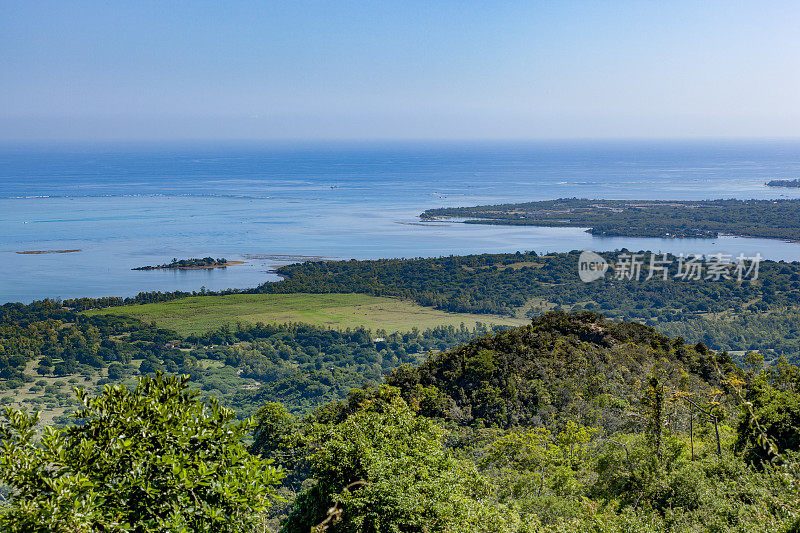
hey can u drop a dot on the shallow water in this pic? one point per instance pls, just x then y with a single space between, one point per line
134 205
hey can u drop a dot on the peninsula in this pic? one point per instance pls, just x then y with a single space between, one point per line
696 219
793 184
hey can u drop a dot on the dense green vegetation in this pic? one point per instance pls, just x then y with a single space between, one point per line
243 365
784 183
725 314
45 341
773 219
205 262
386 469
578 367
574 423
82 304
153 459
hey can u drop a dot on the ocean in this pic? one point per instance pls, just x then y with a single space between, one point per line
130 205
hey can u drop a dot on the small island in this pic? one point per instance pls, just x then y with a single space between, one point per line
192 264
794 184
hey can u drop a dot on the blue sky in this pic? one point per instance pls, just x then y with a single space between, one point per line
399 70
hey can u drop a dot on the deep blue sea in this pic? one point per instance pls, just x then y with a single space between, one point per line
130 205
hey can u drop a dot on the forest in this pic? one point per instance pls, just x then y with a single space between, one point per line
727 314
300 365
636 419
573 423
697 219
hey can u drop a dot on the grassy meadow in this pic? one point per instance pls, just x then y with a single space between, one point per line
197 314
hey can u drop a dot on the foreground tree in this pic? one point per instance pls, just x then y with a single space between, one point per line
153 459
384 468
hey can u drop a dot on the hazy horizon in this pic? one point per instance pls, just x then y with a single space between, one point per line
355 71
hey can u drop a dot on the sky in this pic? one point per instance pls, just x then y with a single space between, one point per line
318 70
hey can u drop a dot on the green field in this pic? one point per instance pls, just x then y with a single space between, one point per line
197 314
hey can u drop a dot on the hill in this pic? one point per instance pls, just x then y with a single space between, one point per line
578 366
573 423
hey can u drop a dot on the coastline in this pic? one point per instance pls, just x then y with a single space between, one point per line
424 221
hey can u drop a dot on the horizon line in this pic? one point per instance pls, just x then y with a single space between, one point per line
390 140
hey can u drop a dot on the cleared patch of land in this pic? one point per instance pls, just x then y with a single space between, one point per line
197 314
51 395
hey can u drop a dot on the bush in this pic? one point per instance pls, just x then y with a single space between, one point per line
186 469
64 369
385 469
778 414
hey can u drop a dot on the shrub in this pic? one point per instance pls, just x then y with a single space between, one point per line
385 469
152 459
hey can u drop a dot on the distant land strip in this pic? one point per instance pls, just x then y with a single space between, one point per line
37 252
681 219
794 184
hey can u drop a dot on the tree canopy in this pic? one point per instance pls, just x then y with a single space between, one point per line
152 459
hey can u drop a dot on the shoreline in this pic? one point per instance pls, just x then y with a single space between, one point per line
449 218
291 258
